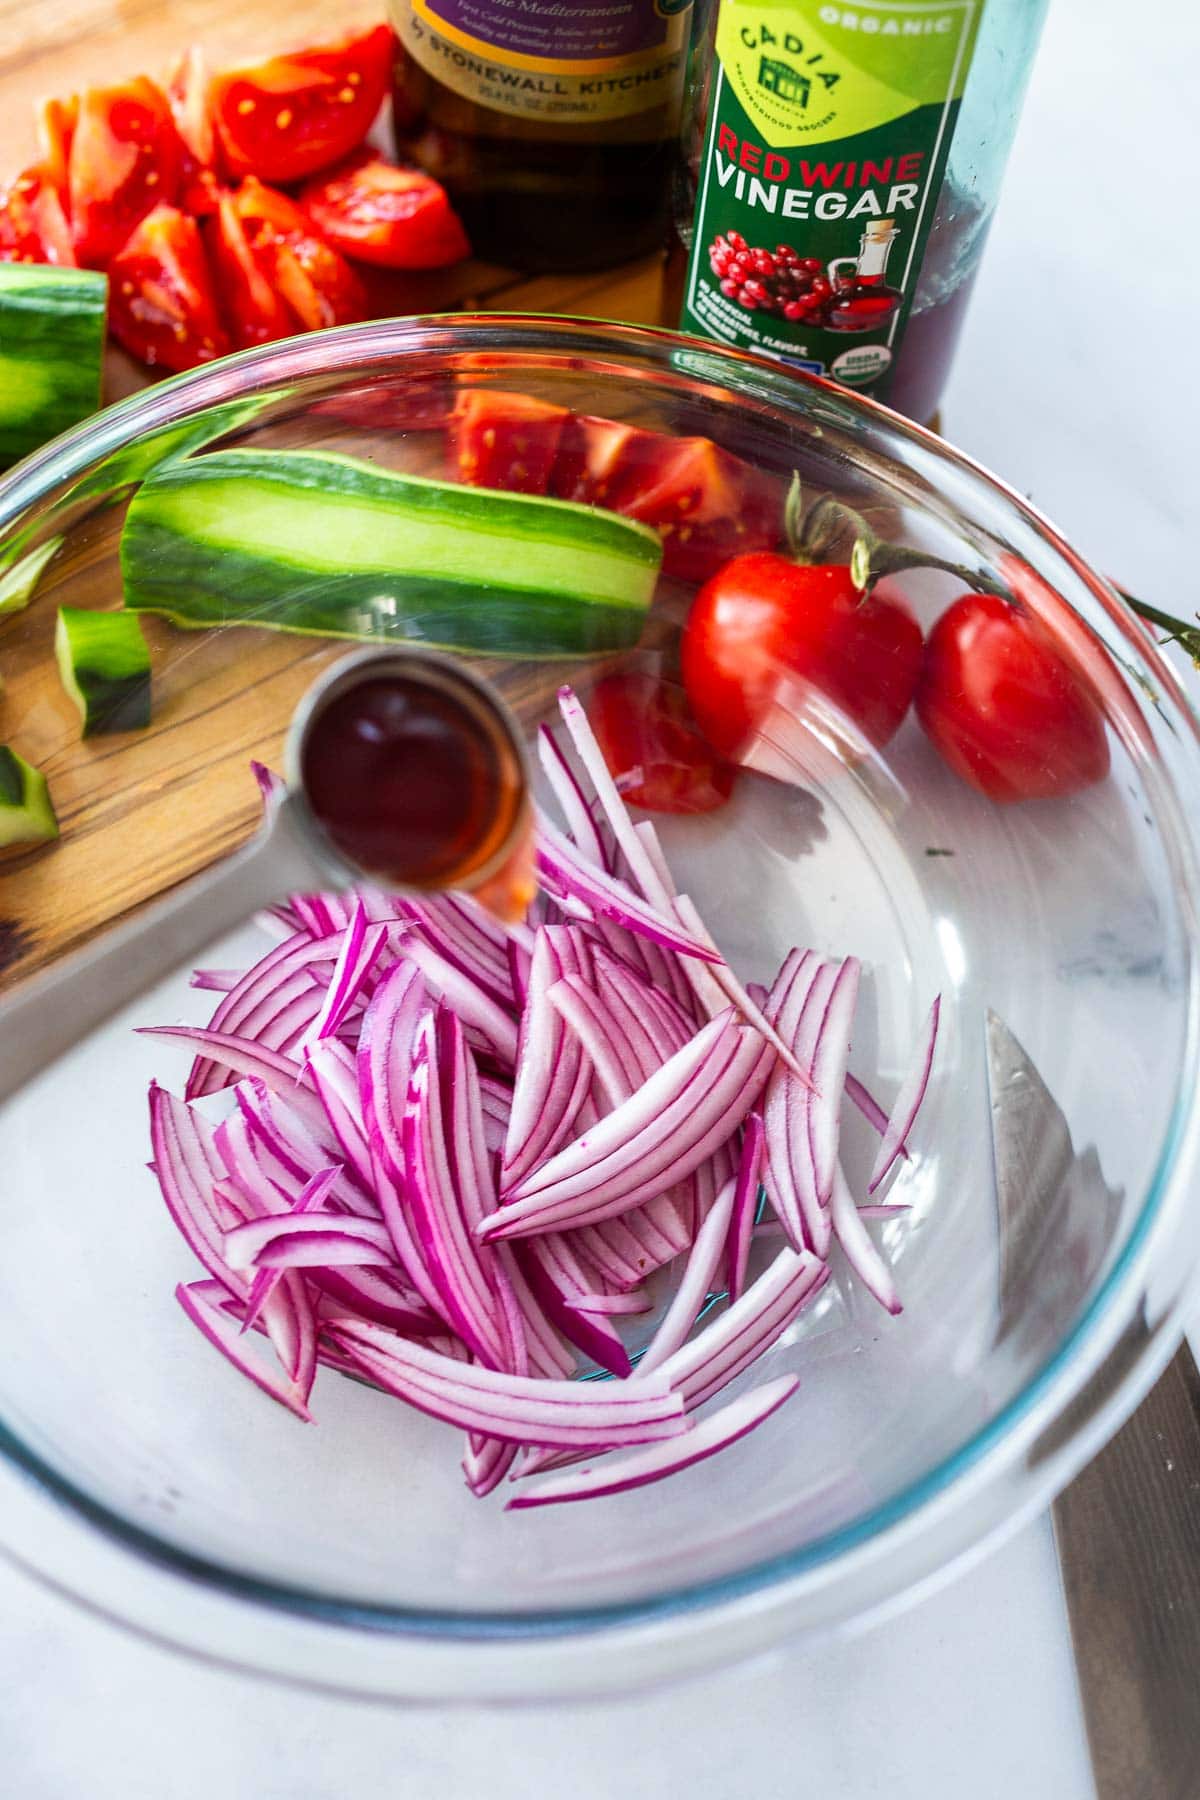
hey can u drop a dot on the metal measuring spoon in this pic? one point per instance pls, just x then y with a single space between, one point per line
296 850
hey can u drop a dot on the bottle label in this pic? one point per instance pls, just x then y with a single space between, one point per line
562 61
829 127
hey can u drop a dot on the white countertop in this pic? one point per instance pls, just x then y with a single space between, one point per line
968 1695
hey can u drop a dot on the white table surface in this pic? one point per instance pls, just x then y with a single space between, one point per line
968 1695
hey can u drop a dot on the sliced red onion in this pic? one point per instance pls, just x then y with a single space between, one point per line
271 786
725 978
187 1167
384 1057
611 1249
520 960
831 1047
434 1202
472 1002
522 1408
334 1070
360 948
246 1058
542 1263
547 1354
694 1287
641 865
455 938
800 991
486 1463
661 1134
570 878
268 991
285 1137
745 1205
311 1198
302 1240
867 1104
861 1253
701 1368
552 1075
908 1100
567 791
377 1295
290 1319
609 1305
216 981
495 1098
222 1332
705 1438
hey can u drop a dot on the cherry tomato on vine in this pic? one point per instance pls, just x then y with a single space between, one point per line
653 747
1004 709
763 618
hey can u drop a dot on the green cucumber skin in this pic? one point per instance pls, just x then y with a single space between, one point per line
105 668
26 810
180 556
51 346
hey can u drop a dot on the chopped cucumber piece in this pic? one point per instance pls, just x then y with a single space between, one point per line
26 812
322 543
105 667
18 581
51 345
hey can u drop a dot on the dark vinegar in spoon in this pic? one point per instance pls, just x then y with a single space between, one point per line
414 783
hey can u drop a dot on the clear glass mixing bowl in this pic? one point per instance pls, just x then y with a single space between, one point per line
139 1473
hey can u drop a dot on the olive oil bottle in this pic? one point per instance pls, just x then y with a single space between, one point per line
552 123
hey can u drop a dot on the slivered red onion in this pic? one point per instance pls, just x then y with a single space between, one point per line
618 1475
454 1152
908 1100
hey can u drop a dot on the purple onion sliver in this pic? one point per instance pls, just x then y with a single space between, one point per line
861 1253
707 1437
221 1330
567 791
908 1100
745 1205
694 1287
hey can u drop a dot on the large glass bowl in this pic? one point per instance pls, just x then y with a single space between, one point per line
137 1472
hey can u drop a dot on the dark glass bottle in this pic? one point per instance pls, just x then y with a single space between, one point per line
553 126
839 169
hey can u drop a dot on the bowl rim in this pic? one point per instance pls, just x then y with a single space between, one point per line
1062 1378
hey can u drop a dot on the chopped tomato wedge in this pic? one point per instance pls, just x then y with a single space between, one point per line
162 306
396 218
187 95
125 159
706 504
250 305
653 746
506 441
33 226
317 286
56 121
295 114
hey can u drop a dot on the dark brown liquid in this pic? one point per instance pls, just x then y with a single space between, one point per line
412 784
539 196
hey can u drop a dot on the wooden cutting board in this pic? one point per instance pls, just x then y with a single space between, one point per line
143 810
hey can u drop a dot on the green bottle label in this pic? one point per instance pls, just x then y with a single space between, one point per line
828 133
